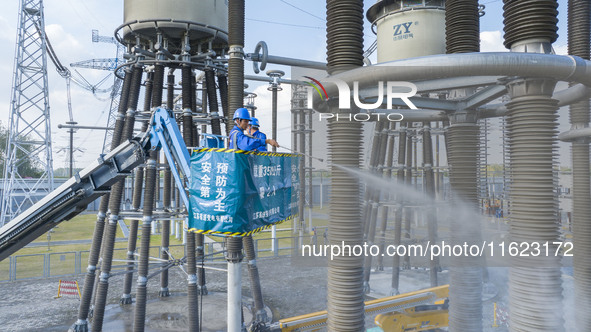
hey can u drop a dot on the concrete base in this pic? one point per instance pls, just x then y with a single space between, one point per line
125 299
79 327
164 292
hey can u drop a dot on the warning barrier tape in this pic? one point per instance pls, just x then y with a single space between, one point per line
238 234
256 153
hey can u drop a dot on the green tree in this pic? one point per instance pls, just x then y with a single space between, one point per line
28 168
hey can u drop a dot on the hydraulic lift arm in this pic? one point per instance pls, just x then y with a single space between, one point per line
74 195
400 313
165 134
70 198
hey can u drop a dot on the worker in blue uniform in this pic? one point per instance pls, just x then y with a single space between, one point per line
239 140
253 130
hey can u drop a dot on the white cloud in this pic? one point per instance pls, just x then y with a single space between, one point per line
7 31
492 41
561 49
64 43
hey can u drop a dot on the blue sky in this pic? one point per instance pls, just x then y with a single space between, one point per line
289 32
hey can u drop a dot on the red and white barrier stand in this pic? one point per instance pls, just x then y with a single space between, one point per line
69 288
501 315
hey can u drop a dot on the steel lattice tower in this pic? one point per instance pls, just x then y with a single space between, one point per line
108 64
116 93
29 123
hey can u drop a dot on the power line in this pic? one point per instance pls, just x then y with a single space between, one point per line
286 24
300 9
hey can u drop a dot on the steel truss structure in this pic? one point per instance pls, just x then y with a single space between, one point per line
29 140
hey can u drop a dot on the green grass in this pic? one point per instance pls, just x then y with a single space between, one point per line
81 227
62 257
29 266
4 266
78 228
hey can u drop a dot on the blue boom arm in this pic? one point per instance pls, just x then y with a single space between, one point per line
165 134
74 195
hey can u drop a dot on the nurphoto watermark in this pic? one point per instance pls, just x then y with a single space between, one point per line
361 117
389 91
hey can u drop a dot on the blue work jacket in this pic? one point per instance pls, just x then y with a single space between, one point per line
263 138
238 140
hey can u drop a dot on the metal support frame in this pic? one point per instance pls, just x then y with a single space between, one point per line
29 138
109 65
274 87
302 142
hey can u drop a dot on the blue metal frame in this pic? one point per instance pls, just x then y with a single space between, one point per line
165 134
219 139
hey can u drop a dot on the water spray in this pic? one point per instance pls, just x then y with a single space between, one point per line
292 151
304 154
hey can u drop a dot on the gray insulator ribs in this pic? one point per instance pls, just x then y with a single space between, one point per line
388 175
142 287
462 152
530 20
223 88
302 171
344 34
131 246
212 100
398 216
345 274
255 281
99 230
137 188
579 114
236 60
531 124
114 208
192 290
581 229
103 284
166 202
407 211
186 75
579 28
372 206
200 246
579 31
87 291
236 12
531 131
429 186
465 292
462 26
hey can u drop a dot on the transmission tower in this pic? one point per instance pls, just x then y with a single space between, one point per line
29 138
109 64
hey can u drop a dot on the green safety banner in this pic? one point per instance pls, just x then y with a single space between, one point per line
237 193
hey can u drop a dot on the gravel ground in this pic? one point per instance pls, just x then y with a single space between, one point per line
29 305
288 289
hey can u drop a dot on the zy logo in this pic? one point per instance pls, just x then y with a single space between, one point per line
402 28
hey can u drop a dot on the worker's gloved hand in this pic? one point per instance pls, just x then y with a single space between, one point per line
272 142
